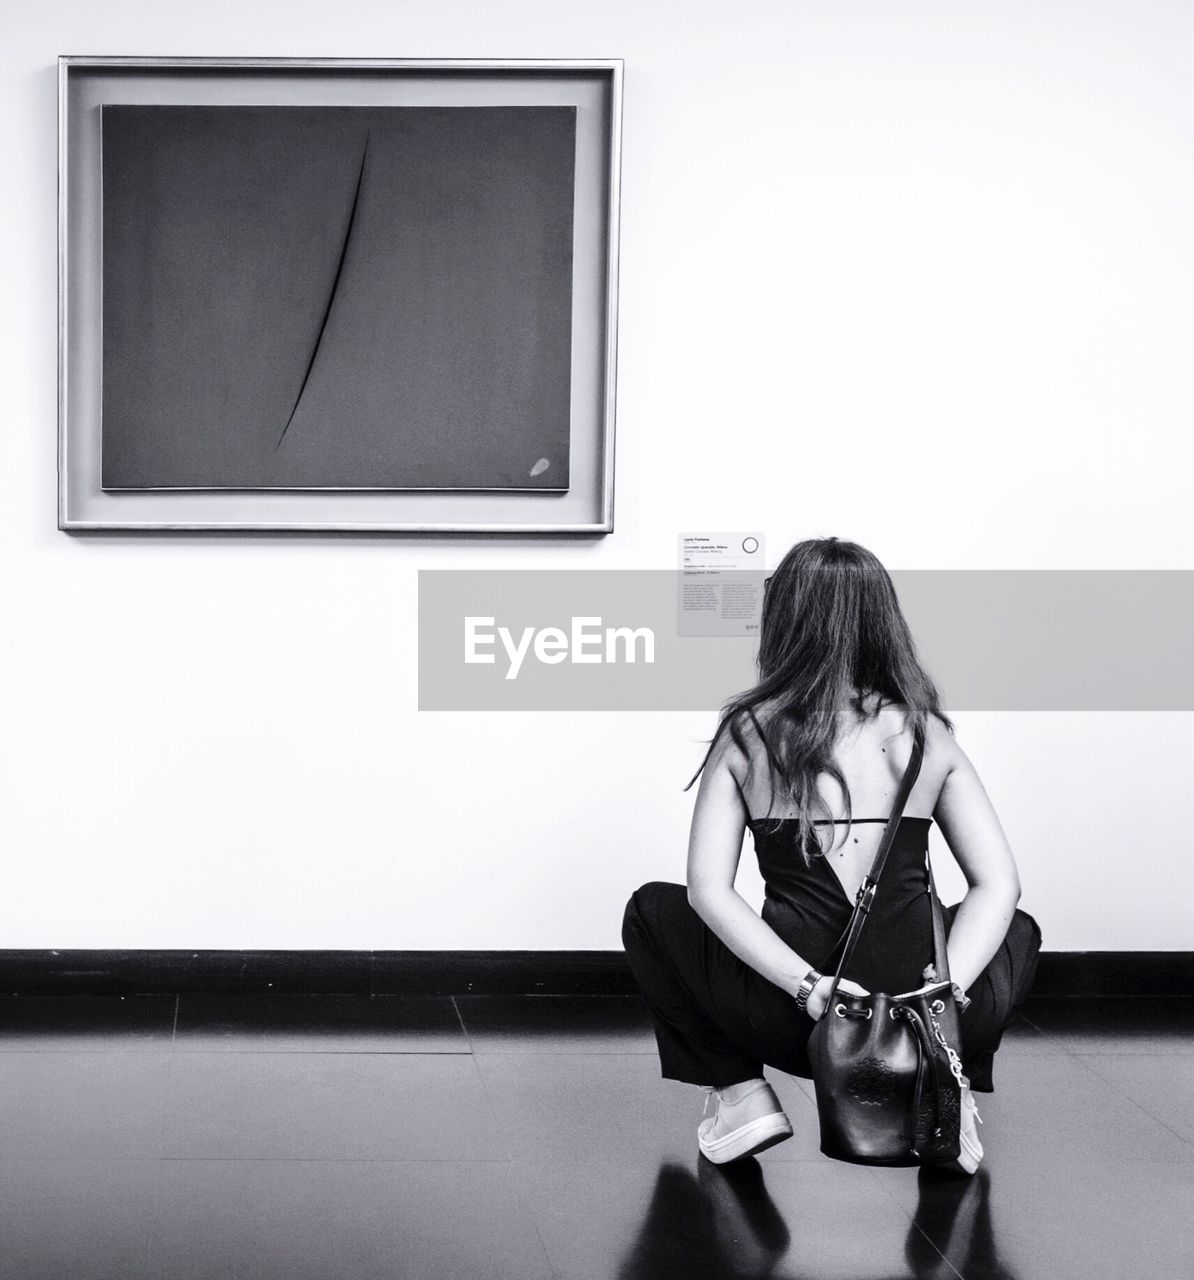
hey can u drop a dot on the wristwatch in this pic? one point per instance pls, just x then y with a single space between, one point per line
811 978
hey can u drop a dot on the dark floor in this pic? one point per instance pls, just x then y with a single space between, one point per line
493 1136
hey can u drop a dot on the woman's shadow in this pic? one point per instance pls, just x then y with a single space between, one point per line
720 1223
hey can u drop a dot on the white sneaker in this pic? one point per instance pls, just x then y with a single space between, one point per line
751 1124
971 1151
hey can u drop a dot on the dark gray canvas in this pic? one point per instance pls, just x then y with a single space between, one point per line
310 297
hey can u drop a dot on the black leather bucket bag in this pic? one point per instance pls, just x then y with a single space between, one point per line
887 1068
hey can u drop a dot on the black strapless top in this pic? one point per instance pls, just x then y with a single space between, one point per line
806 905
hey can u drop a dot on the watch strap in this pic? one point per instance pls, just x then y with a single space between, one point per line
810 980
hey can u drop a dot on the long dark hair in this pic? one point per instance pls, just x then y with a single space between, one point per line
832 632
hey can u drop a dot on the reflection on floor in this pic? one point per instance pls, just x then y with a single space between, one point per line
390 1136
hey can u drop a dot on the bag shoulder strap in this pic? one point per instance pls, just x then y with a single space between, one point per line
866 890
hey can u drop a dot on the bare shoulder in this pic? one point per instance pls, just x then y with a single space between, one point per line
941 747
736 746
942 753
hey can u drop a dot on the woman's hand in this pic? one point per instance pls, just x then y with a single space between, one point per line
818 998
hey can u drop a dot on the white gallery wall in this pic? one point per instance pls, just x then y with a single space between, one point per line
917 274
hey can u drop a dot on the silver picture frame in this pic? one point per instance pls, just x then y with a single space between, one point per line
592 86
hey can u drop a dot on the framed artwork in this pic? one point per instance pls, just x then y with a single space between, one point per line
363 295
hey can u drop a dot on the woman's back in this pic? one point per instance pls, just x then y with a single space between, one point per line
872 753
809 901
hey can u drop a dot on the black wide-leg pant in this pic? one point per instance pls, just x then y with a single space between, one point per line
718 1021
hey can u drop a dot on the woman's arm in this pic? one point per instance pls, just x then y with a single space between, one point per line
971 829
714 849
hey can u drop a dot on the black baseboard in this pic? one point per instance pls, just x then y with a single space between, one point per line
1061 973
